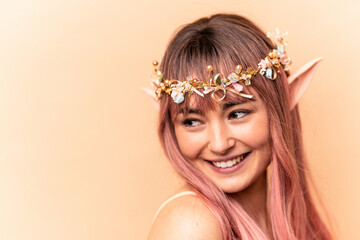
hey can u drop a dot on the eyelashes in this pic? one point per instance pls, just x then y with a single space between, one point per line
234 115
191 122
238 114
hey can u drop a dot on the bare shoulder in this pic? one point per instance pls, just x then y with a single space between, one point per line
185 217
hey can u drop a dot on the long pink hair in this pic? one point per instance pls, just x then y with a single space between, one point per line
224 41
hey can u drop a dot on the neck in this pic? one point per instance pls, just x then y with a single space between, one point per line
253 199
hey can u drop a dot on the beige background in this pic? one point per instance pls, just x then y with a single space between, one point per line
79 154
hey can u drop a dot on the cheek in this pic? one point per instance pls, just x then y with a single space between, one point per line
255 133
190 143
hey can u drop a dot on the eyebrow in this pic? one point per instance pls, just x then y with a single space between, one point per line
230 104
224 106
191 110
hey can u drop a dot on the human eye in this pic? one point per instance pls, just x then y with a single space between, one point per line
238 114
191 122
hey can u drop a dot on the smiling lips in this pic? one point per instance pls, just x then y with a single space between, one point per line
229 163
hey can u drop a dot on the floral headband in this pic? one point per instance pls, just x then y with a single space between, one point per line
269 67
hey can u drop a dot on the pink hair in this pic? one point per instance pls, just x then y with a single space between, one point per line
225 40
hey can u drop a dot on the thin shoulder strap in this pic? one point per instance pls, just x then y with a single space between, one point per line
172 198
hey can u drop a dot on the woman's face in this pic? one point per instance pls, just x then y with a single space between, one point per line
230 145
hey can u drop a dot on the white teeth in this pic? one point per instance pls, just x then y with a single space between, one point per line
229 163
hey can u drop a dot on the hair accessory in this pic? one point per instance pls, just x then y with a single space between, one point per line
269 67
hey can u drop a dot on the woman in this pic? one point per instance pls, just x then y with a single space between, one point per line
235 137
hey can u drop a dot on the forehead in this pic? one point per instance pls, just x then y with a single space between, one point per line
207 103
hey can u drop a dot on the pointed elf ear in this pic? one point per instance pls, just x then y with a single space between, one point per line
151 94
300 80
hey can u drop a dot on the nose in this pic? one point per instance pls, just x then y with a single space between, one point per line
220 139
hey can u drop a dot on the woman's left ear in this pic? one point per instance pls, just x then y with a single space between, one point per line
300 80
151 94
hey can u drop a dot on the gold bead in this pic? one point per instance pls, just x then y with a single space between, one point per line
166 82
238 69
271 55
155 63
209 68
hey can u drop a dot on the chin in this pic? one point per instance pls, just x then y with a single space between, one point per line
242 184
233 187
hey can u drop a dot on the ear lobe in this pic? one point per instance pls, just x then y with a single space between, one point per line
300 80
151 94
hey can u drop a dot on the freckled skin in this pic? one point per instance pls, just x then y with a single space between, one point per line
223 133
